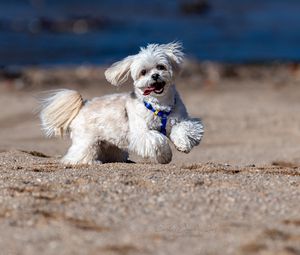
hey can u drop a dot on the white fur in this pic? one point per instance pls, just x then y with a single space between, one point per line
58 111
105 129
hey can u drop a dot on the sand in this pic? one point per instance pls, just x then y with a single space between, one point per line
237 193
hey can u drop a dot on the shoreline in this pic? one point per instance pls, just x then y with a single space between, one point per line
34 77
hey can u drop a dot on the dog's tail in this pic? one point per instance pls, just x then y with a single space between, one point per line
58 110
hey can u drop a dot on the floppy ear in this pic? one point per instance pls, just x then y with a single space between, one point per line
119 72
174 52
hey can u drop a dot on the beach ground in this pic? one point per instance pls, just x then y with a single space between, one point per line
236 193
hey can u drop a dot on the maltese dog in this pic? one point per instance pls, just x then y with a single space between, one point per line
106 129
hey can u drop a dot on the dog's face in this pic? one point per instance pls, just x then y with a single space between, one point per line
153 69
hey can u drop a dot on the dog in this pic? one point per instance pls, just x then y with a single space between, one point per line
144 122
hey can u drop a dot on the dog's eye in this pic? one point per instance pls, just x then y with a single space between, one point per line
143 72
161 67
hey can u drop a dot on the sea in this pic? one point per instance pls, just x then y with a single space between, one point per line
77 32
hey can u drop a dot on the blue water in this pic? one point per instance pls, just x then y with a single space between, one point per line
229 31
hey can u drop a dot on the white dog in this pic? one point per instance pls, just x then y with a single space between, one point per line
106 128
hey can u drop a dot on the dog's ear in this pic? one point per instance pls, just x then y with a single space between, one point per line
174 52
119 72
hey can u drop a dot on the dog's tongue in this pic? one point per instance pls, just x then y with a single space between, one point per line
148 90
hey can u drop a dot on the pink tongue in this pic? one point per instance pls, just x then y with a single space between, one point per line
147 91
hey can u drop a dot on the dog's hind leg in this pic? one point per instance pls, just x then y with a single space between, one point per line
82 151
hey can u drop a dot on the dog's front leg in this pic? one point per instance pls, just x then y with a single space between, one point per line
151 144
187 134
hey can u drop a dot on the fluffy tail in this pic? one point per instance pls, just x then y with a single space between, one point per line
58 110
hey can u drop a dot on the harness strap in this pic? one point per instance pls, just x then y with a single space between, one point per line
163 117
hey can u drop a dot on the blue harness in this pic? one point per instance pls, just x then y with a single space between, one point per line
163 116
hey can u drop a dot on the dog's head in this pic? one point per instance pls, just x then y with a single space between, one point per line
153 69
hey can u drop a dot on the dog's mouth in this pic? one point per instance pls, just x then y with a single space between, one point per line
157 87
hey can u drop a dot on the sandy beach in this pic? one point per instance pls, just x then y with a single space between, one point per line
236 193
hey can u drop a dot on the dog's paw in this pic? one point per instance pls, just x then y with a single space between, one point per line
153 145
164 153
74 162
187 134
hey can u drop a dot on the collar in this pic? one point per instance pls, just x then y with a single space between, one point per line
162 114
156 112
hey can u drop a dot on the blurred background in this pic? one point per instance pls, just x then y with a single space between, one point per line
51 32
241 74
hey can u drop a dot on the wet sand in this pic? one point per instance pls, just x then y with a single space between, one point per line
237 193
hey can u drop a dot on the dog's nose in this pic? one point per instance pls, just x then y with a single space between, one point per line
155 76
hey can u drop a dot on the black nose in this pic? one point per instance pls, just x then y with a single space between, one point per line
155 76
